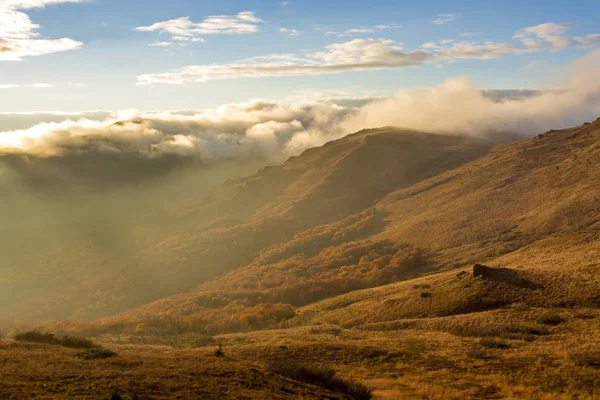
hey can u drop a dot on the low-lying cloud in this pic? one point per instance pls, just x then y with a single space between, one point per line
278 129
253 129
458 106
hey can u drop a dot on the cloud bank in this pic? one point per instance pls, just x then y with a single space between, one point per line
253 129
376 54
18 34
278 129
458 106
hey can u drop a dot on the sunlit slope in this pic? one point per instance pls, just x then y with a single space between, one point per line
323 185
341 177
560 271
195 240
532 207
517 193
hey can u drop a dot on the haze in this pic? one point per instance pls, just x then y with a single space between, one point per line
299 199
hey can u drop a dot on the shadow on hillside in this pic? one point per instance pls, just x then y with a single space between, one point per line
504 275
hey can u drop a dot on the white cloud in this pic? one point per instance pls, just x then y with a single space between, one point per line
183 29
291 32
256 128
18 34
27 4
278 129
344 96
443 18
551 33
356 55
589 40
457 106
368 54
357 31
165 44
34 86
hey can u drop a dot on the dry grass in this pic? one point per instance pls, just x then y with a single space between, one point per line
320 376
565 265
31 370
531 207
429 360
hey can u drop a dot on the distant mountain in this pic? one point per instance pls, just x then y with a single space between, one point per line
532 206
371 209
150 257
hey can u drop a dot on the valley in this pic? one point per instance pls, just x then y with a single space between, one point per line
346 258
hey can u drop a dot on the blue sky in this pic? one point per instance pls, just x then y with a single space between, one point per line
350 47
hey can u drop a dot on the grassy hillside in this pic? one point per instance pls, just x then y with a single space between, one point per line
116 264
551 273
517 193
54 372
411 232
529 206
380 289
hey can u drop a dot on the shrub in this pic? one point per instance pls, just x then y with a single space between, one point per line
49 338
494 343
551 319
96 353
320 376
219 351
76 342
36 337
117 395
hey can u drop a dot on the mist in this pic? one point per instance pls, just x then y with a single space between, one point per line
86 194
275 130
459 107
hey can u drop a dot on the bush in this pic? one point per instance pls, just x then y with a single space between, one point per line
96 353
323 377
49 338
76 342
492 343
117 395
551 319
219 351
36 337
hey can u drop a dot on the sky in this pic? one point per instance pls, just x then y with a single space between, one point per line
68 56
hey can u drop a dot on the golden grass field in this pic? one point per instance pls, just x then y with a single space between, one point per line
318 293
512 353
148 372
